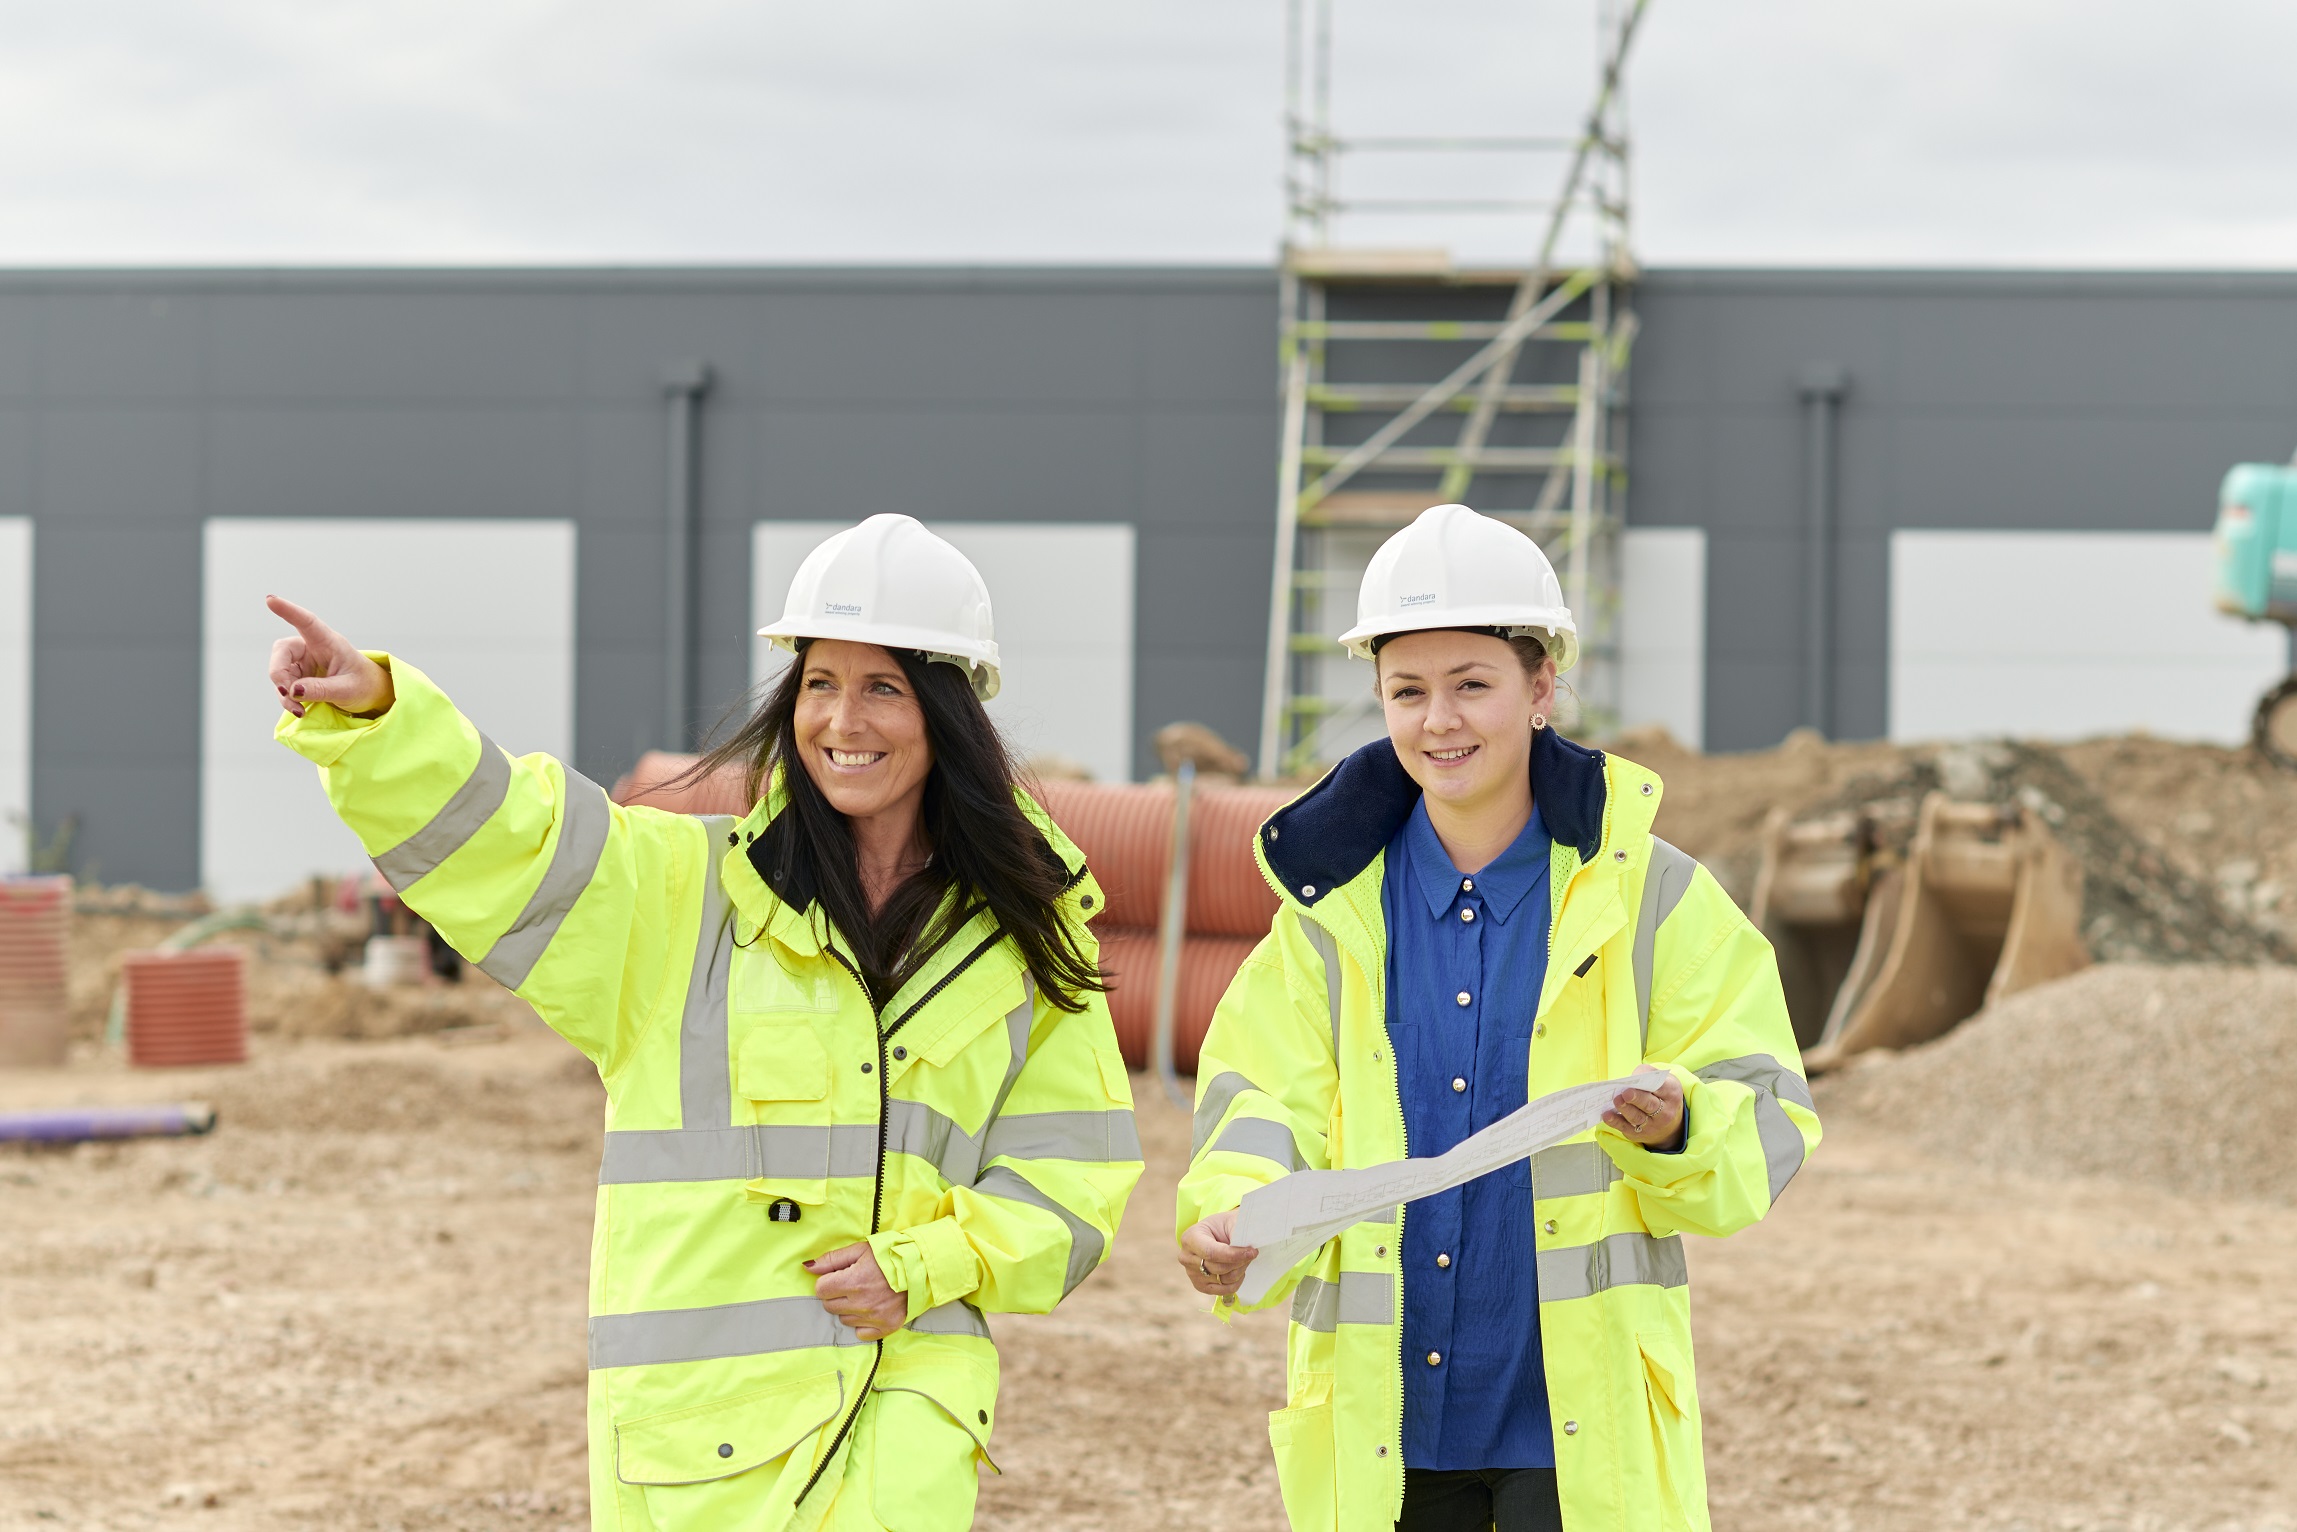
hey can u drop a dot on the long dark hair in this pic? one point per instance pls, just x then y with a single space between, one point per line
984 849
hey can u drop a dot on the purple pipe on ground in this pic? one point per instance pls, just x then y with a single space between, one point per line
74 1124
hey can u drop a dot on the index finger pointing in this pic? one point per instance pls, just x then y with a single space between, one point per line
305 621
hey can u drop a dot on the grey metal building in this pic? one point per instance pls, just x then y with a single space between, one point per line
136 405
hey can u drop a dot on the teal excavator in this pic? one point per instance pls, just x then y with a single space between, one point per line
2257 579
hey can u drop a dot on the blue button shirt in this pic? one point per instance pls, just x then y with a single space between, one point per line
1466 958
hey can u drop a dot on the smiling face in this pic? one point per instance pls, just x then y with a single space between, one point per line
860 731
1459 708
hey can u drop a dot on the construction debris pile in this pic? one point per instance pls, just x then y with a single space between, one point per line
2175 1076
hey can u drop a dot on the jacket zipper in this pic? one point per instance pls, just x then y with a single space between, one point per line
876 1209
884 1132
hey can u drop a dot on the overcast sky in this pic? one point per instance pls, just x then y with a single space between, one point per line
1923 132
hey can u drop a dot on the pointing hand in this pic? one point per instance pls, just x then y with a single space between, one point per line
320 665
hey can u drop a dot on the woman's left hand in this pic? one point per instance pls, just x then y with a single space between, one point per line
1651 1118
850 1285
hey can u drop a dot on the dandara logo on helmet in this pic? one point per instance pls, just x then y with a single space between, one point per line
1425 598
841 609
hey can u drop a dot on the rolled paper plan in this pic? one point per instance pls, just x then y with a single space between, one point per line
1288 1219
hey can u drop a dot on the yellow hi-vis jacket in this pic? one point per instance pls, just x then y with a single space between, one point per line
1647 959
760 1112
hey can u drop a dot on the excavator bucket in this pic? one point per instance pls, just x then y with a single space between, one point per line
1811 896
1989 903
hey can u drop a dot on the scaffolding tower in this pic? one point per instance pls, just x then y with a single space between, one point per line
1409 380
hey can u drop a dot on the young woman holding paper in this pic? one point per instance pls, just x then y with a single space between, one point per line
1476 913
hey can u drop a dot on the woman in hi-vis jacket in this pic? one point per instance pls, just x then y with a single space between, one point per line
1474 913
861 1083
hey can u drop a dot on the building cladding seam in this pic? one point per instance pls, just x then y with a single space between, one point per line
654 1337
573 862
1085 1242
465 814
705 1078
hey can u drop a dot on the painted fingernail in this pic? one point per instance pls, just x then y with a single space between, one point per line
298 689
808 1265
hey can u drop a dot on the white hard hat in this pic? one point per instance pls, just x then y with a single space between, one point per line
891 582
1452 568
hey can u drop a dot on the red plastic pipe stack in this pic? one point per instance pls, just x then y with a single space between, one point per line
718 793
1126 835
35 971
186 1007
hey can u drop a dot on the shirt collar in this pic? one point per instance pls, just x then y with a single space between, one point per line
1514 873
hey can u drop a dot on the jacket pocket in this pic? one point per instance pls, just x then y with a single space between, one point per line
928 1434
1671 1395
703 1443
782 1063
1307 1466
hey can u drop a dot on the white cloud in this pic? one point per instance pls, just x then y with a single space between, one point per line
1798 131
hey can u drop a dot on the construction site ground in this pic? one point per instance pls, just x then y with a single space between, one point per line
359 1304
2003 1295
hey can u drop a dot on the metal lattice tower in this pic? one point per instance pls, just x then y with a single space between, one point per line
1409 380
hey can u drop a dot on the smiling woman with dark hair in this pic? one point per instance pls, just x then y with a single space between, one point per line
861 1083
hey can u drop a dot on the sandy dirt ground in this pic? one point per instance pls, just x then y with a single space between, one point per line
358 1305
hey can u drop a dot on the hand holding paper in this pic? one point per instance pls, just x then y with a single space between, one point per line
1289 1218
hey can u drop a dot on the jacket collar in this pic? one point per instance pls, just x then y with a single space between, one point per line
1331 833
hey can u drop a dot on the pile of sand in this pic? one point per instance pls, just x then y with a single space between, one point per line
2179 1076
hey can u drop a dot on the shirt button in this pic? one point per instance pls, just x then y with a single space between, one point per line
1467 914
1467 885
1435 1358
1443 1262
1458 1083
1463 997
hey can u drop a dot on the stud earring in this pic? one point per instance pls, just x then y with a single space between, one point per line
1538 722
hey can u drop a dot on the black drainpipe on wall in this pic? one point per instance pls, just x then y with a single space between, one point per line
1822 386
683 385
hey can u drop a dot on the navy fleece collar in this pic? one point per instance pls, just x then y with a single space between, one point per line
1329 834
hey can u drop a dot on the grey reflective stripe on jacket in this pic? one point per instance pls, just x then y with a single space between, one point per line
1772 1082
705 1079
654 1337
1329 951
451 828
1665 881
584 820
1617 1260
1359 1298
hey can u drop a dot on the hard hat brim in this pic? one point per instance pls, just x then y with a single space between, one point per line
979 661
1552 626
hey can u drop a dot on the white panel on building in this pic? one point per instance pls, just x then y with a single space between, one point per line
484 608
1062 593
2062 635
15 692
1663 631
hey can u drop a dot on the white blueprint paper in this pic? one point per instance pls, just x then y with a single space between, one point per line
1287 1219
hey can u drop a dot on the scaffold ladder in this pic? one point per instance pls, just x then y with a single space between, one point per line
1407 382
